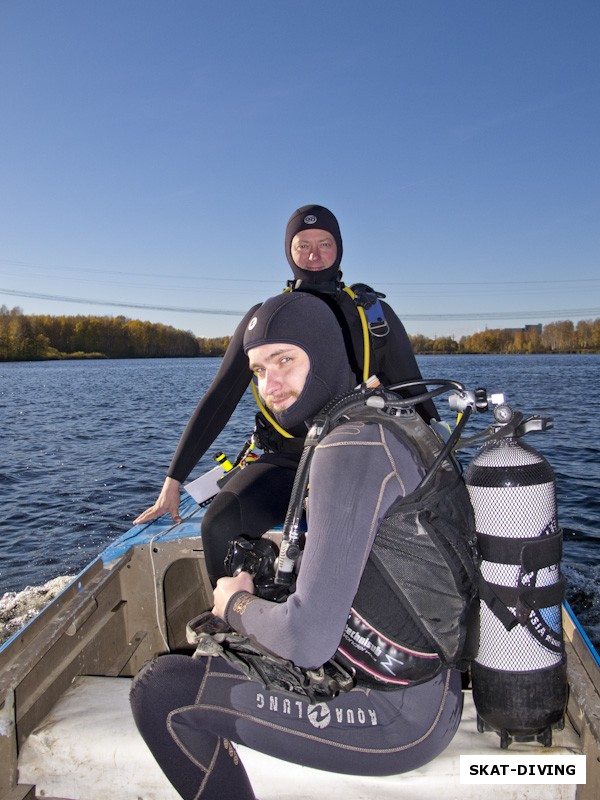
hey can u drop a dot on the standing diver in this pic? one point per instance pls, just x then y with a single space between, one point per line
189 710
256 498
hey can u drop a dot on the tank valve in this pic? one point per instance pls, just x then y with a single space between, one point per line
503 414
476 399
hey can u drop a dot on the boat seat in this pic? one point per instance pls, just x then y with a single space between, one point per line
88 748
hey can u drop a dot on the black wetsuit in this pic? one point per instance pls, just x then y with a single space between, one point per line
190 710
256 498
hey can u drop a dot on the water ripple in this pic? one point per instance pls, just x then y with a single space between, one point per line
86 445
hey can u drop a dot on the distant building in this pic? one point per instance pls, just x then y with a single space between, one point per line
537 328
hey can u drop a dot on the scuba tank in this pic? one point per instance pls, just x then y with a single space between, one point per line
519 672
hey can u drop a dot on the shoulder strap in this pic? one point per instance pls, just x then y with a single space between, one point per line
374 324
369 300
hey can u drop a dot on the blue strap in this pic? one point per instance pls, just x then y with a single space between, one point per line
368 299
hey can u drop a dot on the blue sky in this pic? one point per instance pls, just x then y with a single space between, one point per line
152 152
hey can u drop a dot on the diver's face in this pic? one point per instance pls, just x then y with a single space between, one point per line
281 371
314 250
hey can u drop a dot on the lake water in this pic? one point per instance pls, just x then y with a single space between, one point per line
85 447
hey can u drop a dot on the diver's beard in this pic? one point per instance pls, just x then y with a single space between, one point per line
275 405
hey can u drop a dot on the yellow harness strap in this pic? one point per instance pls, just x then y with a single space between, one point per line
266 414
365 330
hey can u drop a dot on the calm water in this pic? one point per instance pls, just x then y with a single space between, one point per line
85 446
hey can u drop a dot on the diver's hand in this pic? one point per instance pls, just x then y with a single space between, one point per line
167 501
227 587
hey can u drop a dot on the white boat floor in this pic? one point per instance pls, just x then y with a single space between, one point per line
88 748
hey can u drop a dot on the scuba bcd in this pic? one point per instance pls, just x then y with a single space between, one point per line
422 625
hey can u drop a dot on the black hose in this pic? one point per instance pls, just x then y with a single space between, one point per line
447 449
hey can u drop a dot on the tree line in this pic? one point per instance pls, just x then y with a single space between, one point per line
39 337
556 337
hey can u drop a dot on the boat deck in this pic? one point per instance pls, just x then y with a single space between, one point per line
88 748
67 733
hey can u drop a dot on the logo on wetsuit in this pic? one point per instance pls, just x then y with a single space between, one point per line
319 715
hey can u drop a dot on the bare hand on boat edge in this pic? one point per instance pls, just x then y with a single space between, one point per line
166 502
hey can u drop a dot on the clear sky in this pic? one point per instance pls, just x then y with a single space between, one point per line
151 154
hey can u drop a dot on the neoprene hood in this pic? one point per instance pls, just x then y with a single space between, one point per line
304 219
306 321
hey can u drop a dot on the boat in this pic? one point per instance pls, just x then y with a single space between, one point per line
66 730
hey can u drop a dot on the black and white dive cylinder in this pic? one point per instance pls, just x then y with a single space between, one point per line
519 672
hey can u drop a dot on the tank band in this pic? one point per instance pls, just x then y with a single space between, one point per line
531 553
528 598
498 477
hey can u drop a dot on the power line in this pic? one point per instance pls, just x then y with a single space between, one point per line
396 291
463 316
564 313
117 304
190 276
186 276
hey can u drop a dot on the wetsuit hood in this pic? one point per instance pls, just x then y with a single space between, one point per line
304 219
307 322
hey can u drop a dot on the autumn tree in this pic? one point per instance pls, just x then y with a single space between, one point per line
32 337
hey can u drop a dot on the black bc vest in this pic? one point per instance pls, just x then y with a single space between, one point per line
417 596
417 599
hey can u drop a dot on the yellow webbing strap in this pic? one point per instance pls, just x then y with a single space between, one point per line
266 414
365 330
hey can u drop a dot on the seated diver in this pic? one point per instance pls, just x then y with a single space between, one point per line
189 710
256 499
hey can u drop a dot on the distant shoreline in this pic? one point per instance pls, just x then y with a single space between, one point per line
59 338
102 357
